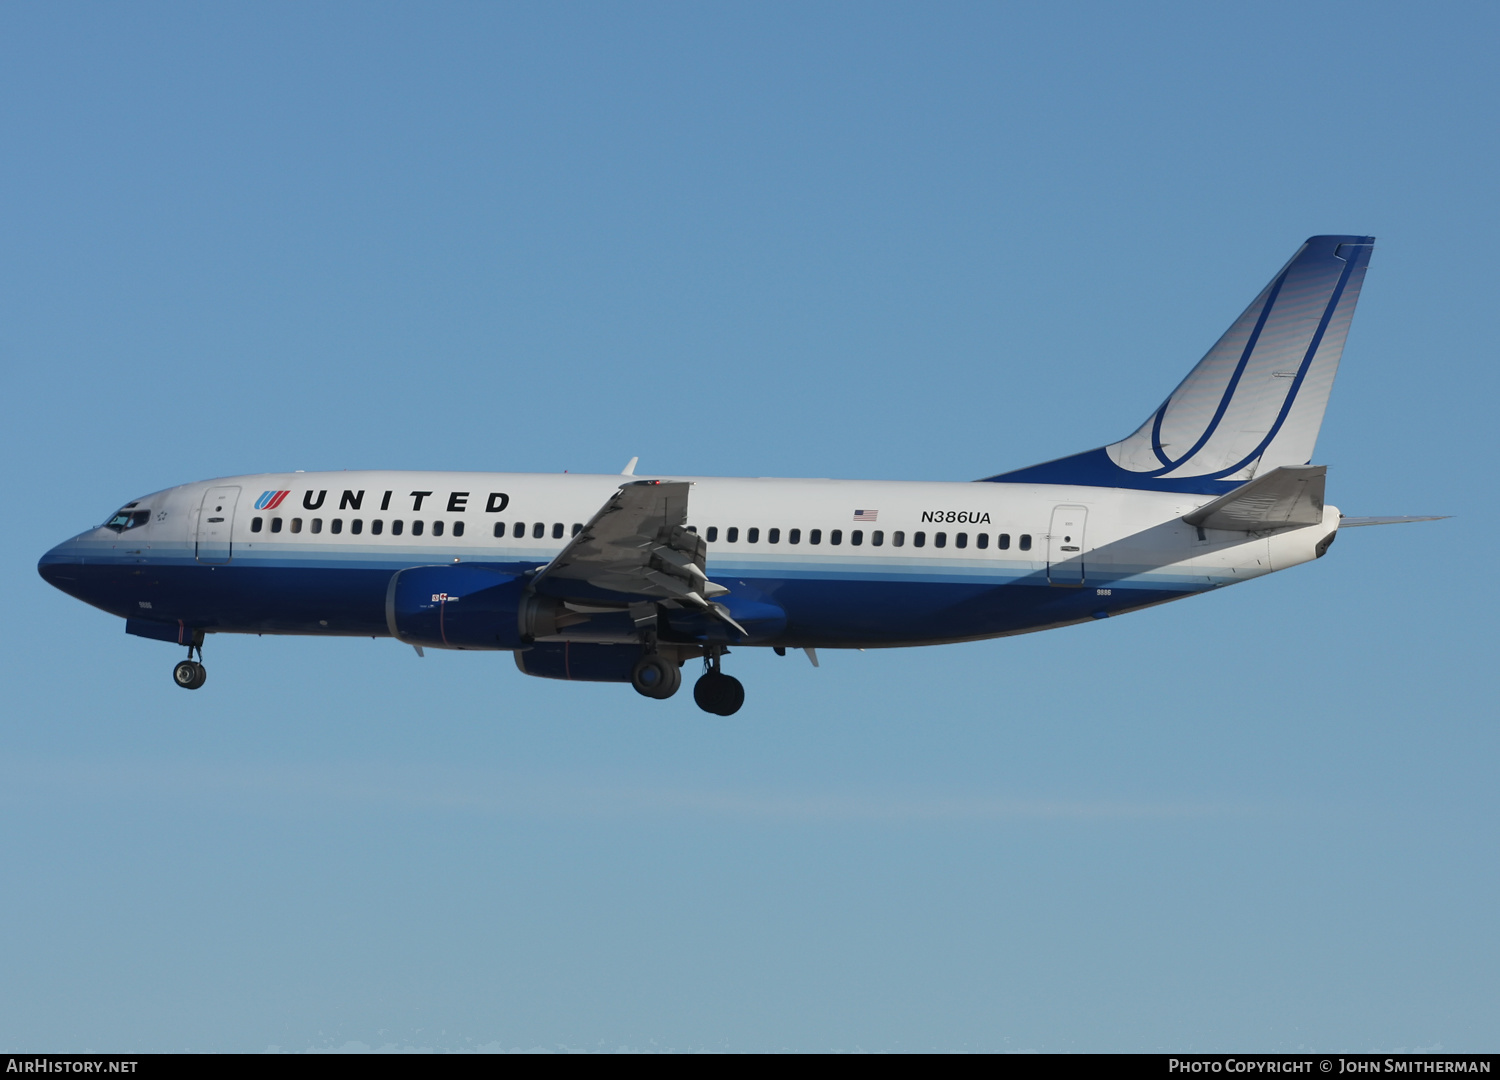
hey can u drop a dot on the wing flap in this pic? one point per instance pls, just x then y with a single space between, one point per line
638 547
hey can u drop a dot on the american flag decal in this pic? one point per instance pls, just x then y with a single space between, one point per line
866 515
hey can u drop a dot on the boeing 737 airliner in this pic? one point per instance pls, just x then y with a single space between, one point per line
626 580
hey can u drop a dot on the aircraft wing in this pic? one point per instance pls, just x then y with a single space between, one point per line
638 548
1283 498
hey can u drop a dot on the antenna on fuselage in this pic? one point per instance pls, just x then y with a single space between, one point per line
629 469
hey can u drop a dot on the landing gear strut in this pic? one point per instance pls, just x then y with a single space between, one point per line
716 692
191 674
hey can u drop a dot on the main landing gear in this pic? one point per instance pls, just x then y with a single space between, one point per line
716 692
658 676
655 676
191 674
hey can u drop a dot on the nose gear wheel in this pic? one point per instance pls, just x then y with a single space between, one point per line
189 674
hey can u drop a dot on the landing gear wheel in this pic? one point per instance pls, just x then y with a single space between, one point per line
656 677
719 694
189 674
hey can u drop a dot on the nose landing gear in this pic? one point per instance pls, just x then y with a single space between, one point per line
716 692
191 674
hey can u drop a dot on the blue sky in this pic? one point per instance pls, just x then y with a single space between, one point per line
875 240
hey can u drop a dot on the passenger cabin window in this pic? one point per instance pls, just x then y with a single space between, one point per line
961 540
357 526
713 534
538 530
898 539
458 528
518 530
275 524
734 534
377 527
919 539
815 536
437 528
1025 541
752 536
877 538
773 536
794 536
982 541
296 525
940 540
577 528
836 536
255 524
499 530
336 525
557 530
857 537
1003 541
317 525
416 528
397 526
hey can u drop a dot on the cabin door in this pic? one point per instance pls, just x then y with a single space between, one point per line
216 524
1065 545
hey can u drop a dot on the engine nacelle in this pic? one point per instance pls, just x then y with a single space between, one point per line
455 607
579 662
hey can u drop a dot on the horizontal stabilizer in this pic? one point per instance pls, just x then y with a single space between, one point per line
1356 522
1284 498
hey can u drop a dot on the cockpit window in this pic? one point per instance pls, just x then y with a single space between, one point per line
128 519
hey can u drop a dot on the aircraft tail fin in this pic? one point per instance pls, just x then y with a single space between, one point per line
1255 402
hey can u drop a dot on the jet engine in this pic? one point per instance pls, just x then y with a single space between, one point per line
579 662
455 607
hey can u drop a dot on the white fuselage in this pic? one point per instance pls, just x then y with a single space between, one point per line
854 563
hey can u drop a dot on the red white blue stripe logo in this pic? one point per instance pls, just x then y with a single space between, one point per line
270 500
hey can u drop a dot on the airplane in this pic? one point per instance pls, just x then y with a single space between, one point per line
625 578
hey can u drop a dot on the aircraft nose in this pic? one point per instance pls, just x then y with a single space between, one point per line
55 566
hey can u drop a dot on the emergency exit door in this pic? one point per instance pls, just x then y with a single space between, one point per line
216 524
1065 545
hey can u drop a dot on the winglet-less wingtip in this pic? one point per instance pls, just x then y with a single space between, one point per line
629 469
